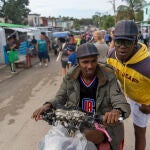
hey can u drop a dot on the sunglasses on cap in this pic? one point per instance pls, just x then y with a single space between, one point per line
126 43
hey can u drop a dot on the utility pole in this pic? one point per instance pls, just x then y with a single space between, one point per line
114 6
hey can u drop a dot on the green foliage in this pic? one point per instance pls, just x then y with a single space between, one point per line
124 12
103 22
139 15
108 22
134 9
86 21
96 20
76 24
81 22
15 10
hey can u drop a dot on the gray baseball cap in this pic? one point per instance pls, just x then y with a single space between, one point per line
86 49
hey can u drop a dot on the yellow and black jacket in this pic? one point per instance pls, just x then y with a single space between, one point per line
134 75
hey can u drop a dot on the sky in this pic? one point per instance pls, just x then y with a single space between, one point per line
72 8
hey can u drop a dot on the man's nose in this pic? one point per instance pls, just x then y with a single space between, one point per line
122 44
89 65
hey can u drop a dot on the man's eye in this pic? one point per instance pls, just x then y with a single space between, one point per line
85 62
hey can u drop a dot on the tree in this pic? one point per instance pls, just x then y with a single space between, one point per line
86 21
135 7
139 15
15 10
135 4
76 24
2 2
124 12
108 21
97 19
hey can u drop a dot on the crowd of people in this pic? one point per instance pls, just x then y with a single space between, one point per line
111 72
60 46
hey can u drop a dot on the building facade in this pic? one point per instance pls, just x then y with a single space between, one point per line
34 20
145 25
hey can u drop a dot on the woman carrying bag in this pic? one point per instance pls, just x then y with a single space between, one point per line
12 53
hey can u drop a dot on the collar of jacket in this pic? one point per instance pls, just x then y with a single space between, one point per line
100 73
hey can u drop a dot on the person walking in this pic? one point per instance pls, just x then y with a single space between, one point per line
72 40
146 37
83 39
140 37
93 88
71 55
111 45
33 43
131 61
48 45
107 38
101 46
41 47
63 55
12 53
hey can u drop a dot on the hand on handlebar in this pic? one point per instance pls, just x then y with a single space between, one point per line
111 117
37 113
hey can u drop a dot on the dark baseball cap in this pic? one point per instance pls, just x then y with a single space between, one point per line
125 38
126 29
86 49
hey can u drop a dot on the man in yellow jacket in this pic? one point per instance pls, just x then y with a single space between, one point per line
131 61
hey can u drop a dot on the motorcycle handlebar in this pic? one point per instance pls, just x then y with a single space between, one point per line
52 116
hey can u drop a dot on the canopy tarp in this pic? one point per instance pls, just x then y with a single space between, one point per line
60 34
20 29
9 25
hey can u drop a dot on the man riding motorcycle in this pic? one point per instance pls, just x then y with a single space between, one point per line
92 87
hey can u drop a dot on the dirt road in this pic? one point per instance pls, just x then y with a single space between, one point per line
21 95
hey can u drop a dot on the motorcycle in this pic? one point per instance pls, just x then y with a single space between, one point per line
67 129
